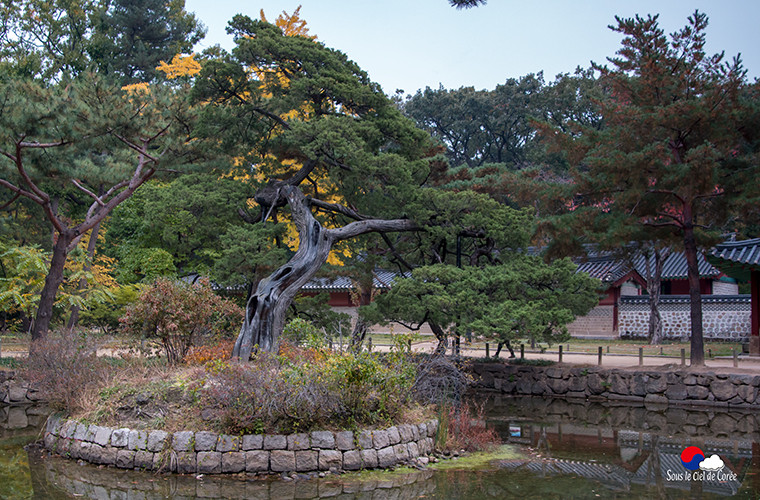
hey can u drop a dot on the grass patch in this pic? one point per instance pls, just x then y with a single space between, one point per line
11 363
481 459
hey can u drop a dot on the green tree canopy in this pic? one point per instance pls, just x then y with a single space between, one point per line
673 156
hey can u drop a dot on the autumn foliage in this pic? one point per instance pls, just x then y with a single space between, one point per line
179 314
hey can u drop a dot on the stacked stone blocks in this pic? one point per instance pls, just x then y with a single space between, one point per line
204 452
677 387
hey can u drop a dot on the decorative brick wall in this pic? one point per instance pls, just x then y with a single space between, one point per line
724 317
203 452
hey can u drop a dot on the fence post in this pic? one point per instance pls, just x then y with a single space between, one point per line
560 353
522 351
600 355
683 357
709 353
608 349
488 353
369 345
641 356
736 357
410 345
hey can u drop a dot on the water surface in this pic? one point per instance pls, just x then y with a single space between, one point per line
573 450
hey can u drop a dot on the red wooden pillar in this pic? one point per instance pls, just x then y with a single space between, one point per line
754 339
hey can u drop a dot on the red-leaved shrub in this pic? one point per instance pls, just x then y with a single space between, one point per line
179 314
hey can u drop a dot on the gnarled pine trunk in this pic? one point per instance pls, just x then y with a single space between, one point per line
266 309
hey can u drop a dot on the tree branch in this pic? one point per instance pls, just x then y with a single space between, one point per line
21 192
336 208
373 226
88 192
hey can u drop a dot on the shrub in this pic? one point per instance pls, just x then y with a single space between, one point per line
300 331
179 314
333 389
66 370
463 427
439 380
200 355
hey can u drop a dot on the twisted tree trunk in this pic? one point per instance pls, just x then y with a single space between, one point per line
266 309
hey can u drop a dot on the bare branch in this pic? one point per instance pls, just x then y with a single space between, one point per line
132 145
88 192
16 197
21 192
43 145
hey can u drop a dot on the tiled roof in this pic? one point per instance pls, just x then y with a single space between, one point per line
675 267
382 279
604 268
737 258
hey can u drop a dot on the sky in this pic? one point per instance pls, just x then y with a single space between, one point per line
413 44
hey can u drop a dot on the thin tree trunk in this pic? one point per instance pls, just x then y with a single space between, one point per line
695 298
53 280
358 334
654 279
91 244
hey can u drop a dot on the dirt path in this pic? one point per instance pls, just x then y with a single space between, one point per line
746 364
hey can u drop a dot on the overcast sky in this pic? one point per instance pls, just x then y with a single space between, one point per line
413 44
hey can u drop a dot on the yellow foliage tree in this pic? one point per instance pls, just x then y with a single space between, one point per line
181 65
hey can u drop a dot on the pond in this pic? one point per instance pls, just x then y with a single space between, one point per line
576 450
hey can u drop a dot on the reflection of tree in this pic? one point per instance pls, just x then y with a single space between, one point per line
654 467
543 441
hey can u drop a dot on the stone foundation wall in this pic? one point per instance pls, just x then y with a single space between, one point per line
189 452
724 317
648 386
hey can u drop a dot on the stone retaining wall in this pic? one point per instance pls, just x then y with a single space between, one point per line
14 391
677 387
189 452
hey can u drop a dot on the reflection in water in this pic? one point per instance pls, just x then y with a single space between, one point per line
581 450
624 447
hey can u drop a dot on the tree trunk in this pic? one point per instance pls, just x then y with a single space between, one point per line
52 282
695 298
266 309
441 336
91 244
654 279
361 327
357 335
